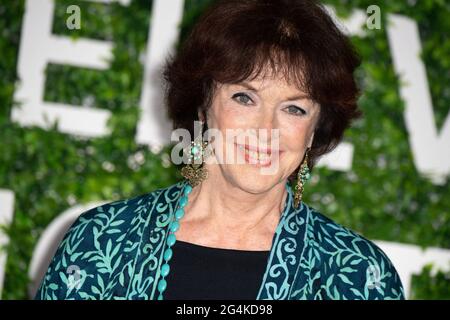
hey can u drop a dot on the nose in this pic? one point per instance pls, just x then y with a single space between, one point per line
267 119
266 122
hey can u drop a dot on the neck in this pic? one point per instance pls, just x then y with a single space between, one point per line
227 211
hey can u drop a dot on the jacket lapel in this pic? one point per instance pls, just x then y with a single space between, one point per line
284 258
287 248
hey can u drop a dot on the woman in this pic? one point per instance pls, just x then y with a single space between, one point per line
230 230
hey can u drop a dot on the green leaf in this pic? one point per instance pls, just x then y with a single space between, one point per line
345 279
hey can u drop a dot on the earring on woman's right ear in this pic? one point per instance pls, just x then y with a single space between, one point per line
197 152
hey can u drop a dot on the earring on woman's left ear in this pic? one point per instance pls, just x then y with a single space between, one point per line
303 175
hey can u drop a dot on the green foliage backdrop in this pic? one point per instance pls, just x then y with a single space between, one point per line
383 197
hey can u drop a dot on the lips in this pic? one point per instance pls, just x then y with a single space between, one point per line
258 156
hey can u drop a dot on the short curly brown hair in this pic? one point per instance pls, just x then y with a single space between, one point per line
235 40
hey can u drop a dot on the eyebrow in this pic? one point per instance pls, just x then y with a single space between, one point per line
251 88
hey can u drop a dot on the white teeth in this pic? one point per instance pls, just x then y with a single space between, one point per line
258 157
263 157
255 156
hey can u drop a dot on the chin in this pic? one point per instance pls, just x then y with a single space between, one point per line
253 181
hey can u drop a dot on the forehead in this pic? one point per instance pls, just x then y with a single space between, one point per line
273 86
275 76
271 83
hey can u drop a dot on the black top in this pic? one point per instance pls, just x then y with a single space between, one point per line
199 272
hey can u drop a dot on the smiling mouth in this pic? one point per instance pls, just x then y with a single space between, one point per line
258 156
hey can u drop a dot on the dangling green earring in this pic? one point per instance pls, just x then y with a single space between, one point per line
197 152
302 176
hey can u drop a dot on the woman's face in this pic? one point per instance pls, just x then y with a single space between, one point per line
272 123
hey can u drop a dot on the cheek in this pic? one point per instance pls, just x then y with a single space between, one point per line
293 139
294 136
229 116
225 117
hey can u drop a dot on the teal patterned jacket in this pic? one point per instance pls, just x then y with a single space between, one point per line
115 251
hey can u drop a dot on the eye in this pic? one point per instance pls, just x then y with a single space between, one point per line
242 98
292 109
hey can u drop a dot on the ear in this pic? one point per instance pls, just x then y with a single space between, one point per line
202 116
311 139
